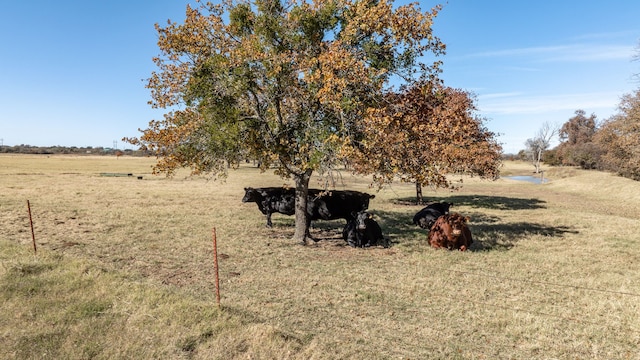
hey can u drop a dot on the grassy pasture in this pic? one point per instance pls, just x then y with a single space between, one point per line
124 269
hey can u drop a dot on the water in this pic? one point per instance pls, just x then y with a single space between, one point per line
527 178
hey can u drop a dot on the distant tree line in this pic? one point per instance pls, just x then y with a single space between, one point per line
610 145
51 150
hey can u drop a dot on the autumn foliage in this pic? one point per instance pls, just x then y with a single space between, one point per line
301 87
577 145
619 138
282 83
426 132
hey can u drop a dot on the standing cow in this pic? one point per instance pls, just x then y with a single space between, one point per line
450 232
363 231
426 217
321 204
271 200
337 204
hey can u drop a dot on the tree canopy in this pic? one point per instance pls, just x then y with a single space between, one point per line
579 128
282 83
296 85
425 132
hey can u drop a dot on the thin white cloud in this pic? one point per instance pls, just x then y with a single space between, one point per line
515 103
519 51
606 35
564 53
593 53
523 69
500 95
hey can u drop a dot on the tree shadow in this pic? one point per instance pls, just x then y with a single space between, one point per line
504 236
320 230
488 231
480 201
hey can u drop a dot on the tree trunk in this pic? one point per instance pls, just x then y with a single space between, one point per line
302 189
538 160
419 193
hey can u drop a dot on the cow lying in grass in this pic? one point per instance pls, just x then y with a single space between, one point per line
426 217
363 231
450 232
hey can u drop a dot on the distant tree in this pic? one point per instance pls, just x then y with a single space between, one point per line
619 138
576 141
536 146
579 129
523 155
427 132
284 83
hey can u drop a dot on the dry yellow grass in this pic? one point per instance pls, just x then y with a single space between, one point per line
124 270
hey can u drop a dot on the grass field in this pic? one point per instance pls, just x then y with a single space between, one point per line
124 269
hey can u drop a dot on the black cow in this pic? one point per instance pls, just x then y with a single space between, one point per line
363 231
271 200
426 217
321 205
336 204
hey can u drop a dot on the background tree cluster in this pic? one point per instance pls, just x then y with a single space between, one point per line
612 145
619 138
577 146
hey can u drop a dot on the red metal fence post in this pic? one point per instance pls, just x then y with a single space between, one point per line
33 235
215 267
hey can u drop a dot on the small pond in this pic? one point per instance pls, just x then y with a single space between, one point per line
527 178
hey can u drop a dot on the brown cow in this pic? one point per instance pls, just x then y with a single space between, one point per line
451 232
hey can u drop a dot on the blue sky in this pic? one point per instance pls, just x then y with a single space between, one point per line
72 72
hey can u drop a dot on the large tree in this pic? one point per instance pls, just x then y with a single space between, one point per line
285 83
425 133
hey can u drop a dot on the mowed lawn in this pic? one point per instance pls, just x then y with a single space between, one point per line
124 269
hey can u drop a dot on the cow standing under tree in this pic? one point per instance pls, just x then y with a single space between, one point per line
321 204
337 204
271 200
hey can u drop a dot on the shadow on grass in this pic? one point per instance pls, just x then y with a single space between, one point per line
480 201
488 231
505 236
